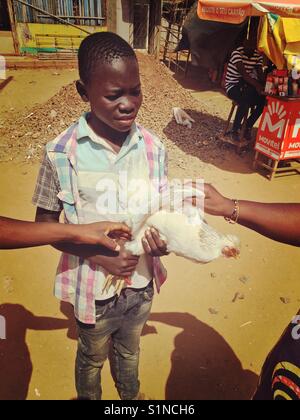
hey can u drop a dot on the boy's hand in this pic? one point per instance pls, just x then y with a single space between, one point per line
122 264
153 245
103 234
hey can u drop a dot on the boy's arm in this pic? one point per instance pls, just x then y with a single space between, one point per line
152 243
49 208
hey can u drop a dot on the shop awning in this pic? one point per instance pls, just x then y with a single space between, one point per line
237 11
280 41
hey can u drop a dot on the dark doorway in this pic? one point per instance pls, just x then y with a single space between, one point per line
4 16
141 24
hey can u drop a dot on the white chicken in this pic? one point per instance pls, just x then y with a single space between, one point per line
187 236
185 232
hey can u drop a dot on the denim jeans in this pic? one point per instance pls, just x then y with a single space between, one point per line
120 321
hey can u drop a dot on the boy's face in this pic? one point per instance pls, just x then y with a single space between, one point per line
115 94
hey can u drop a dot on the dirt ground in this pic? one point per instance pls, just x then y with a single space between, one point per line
198 343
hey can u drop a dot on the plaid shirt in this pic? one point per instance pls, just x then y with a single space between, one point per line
57 190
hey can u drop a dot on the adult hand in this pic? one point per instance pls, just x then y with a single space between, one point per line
215 204
104 234
153 244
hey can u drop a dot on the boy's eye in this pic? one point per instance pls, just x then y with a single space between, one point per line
113 97
118 95
136 93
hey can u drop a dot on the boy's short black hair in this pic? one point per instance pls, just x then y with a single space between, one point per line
100 48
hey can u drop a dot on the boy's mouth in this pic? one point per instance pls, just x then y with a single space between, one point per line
127 118
127 121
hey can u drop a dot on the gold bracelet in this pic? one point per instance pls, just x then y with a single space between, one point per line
234 218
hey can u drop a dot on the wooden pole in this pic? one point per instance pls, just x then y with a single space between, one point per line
111 16
13 24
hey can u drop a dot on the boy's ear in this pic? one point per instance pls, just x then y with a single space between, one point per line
81 89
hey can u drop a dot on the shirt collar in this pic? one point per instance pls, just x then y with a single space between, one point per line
132 139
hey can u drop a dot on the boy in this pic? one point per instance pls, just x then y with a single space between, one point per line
97 148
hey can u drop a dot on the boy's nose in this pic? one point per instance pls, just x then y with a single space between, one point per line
126 107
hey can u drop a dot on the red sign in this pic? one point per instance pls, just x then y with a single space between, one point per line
279 131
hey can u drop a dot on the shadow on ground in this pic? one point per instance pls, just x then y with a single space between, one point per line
5 83
15 361
203 142
204 366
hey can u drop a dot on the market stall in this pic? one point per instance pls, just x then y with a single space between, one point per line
279 134
238 10
278 137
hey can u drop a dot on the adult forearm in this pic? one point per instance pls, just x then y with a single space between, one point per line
19 234
280 222
68 247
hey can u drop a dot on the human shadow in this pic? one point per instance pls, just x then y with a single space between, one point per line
5 82
204 366
68 311
203 143
15 361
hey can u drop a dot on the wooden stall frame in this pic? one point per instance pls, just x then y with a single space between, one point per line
13 25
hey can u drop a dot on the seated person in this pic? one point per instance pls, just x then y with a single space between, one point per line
244 85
